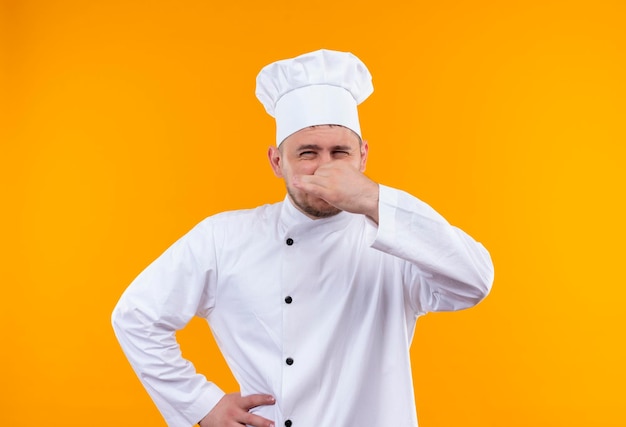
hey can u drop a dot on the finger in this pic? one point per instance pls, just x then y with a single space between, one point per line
256 421
254 400
309 183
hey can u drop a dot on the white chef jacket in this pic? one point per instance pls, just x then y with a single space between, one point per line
318 313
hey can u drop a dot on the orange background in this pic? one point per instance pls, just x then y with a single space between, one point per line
124 123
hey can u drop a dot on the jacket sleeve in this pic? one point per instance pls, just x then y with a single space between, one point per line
160 301
446 269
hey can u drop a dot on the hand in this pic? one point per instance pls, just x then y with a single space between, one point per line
343 187
233 410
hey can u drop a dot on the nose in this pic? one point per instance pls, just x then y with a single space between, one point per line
325 157
322 159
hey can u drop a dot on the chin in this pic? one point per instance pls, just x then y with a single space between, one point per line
320 209
324 213
316 209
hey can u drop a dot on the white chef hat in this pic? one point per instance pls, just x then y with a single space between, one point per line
318 88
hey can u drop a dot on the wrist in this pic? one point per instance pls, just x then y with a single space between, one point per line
372 211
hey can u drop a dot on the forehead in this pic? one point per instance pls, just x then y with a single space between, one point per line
323 136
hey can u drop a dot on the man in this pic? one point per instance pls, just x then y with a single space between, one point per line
312 301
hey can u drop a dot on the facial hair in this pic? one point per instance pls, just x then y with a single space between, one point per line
310 210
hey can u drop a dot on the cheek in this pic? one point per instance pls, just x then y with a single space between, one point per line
308 169
304 168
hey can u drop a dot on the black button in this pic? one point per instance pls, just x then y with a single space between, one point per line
288 423
288 300
289 241
289 361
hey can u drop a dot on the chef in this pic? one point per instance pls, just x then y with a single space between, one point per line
313 300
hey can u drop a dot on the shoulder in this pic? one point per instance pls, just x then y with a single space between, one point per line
241 219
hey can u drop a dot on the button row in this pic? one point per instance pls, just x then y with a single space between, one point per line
289 300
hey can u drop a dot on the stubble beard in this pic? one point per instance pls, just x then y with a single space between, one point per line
310 210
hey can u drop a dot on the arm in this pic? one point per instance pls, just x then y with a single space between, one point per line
447 269
160 301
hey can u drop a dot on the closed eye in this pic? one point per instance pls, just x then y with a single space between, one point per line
341 153
307 154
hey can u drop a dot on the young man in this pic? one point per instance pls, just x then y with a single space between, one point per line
312 301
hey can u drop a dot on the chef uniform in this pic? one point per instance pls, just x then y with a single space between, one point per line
318 313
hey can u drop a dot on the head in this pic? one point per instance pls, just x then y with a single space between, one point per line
303 94
304 151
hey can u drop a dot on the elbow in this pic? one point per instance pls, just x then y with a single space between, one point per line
482 281
474 293
453 295
483 289
125 320
469 284
476 286
116 320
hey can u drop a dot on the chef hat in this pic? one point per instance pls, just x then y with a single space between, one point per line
318 88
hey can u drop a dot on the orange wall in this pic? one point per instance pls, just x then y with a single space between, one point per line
124 123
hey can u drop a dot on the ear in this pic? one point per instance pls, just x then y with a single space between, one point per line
275 157
364 150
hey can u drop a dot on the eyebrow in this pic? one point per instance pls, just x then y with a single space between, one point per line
317 147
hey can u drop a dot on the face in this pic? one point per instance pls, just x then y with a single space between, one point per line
306 150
